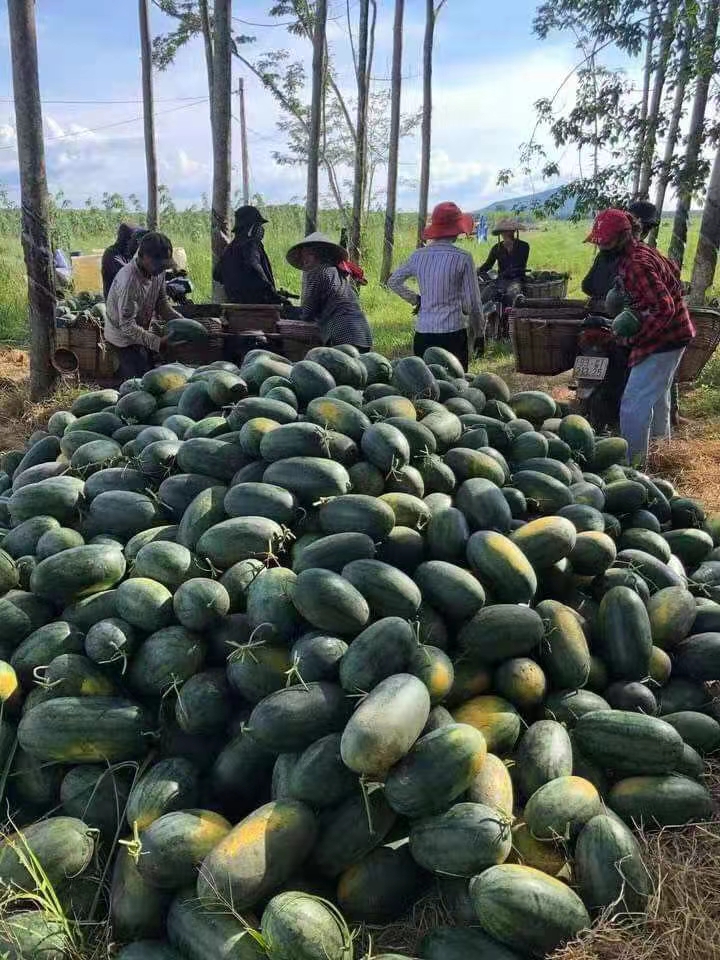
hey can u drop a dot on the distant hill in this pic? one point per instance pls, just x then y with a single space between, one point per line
530 202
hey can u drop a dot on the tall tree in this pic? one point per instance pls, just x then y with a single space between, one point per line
706 255
688 176
363 86
316 114
221 137
671 139
34 195
148 115
431 15
647 72
394 148
649 140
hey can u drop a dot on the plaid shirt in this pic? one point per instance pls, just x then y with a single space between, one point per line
328 299
653 284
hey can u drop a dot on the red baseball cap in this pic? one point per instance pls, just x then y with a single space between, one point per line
609 225
448 220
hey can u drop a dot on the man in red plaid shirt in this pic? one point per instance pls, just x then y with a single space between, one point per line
652 284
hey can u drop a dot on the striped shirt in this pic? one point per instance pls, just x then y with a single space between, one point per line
328 299
131 303
449 290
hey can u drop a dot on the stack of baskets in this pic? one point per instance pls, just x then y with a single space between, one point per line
96 359
544 334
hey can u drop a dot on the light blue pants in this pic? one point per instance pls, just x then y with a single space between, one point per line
646 401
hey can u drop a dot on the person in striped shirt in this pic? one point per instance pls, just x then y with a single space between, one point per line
328 296
449 294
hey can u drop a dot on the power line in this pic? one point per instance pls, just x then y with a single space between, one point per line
109 126
103 102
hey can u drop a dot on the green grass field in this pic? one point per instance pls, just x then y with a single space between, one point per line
554 245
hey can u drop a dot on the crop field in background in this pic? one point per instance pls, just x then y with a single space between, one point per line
554 245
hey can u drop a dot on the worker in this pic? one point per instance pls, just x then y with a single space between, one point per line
329 298
136 297
655 295
448 296
600 279
647 219
119 253
646 216
244 268
510 254
63 272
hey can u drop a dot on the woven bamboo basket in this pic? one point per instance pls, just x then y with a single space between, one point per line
250 316
546 288
297 338
199 354
545 303
707 325
545 341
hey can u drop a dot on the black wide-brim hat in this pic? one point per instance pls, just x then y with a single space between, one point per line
246 217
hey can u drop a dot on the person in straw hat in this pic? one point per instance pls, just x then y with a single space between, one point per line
510 254
329 298
449 294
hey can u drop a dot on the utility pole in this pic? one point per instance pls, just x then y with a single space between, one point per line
34 196
244 143
148 115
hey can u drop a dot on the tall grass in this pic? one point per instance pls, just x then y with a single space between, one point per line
554 246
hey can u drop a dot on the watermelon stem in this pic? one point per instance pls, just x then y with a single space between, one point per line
134 846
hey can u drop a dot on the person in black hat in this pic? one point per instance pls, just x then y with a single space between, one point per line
646 215
244 269
119 253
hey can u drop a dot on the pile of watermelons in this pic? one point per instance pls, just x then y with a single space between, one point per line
288 648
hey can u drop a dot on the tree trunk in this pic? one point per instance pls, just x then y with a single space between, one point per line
34 196
687 178
394 148
148 115
653 114
221 137
318 70
703 272
426 127
663 177
647 71
361 130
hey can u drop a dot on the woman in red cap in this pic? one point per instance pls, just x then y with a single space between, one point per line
449 294
653 287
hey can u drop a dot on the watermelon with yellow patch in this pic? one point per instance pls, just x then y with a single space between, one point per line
497 720
258 855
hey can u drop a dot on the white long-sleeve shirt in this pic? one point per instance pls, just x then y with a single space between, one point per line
449 290
131 303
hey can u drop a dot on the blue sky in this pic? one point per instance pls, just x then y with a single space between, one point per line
489 69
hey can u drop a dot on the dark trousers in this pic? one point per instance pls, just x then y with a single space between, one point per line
133 361
455 343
